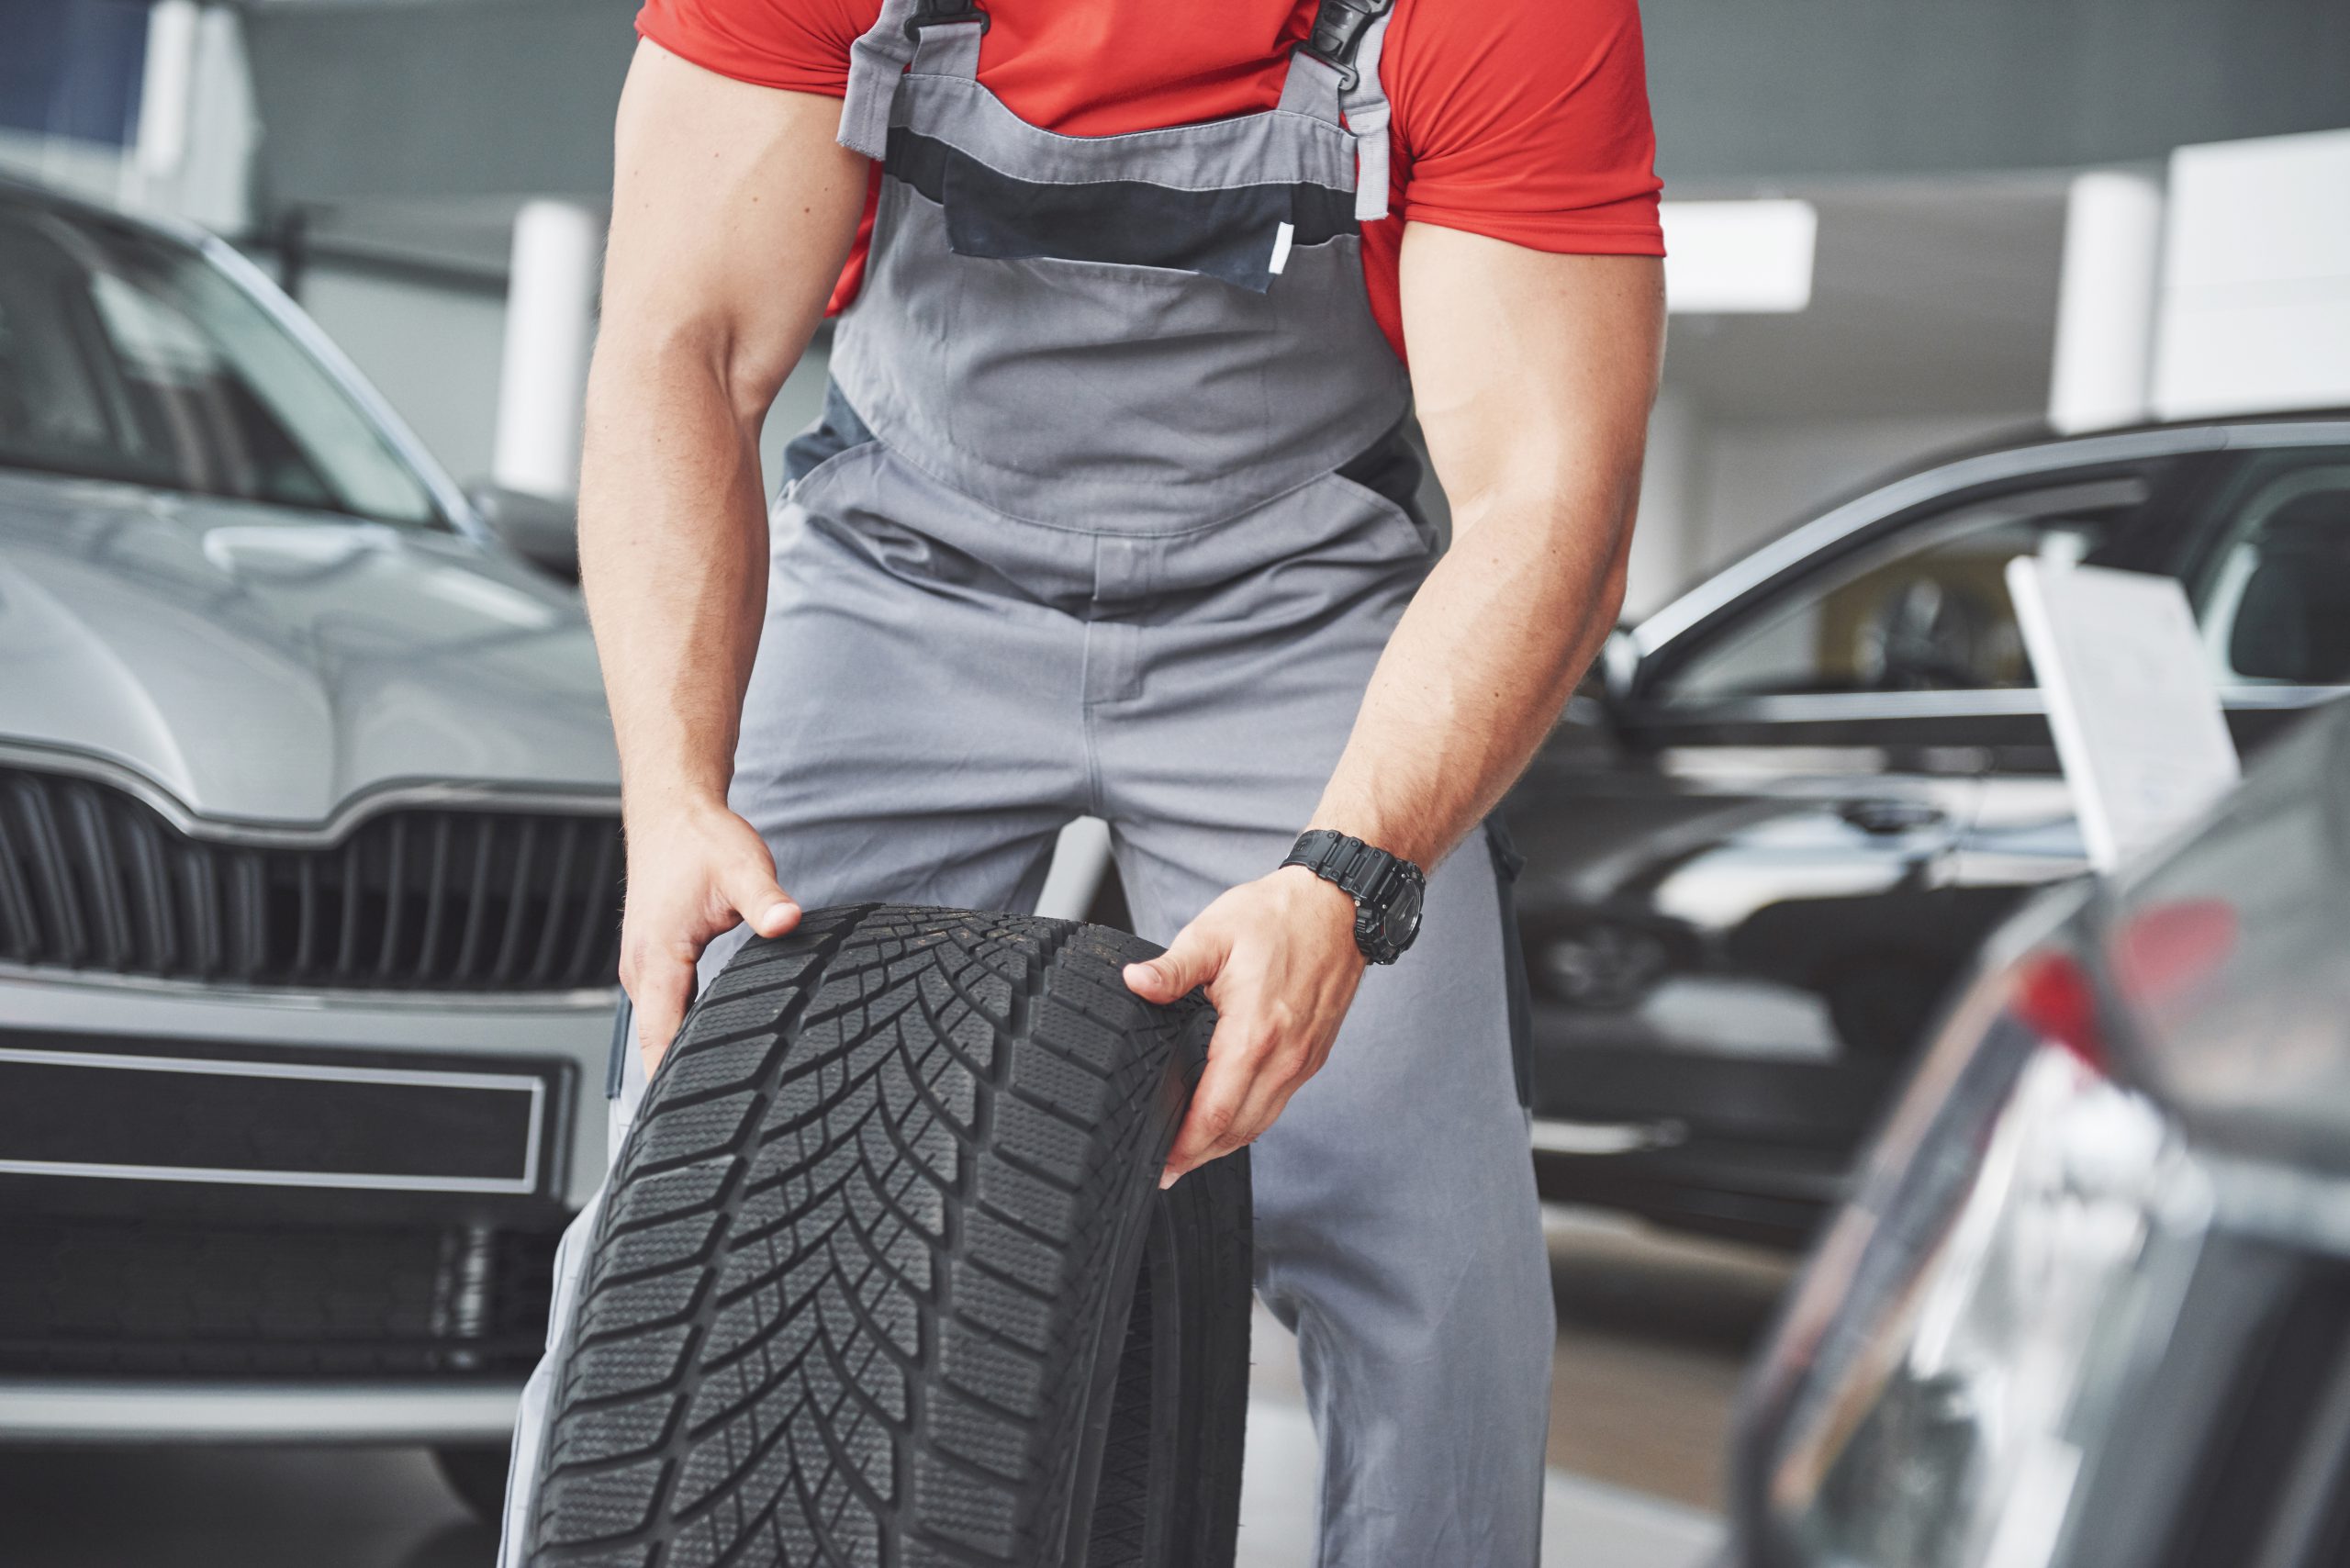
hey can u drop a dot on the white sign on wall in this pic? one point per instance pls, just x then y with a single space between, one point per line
2137 719
2255 298
1738 257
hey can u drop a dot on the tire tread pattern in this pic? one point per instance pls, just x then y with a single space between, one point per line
858 1249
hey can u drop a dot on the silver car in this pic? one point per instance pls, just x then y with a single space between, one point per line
309 878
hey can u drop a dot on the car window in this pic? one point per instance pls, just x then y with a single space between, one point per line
2273 597
124 356
1926 610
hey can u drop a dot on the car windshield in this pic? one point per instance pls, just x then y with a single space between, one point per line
127 356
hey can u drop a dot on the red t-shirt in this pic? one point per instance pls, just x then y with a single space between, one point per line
1527 120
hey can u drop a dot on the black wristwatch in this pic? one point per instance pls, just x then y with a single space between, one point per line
1387 889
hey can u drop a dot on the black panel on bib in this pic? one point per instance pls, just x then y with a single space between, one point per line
1228 233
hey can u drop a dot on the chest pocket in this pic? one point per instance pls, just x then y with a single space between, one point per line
1238 234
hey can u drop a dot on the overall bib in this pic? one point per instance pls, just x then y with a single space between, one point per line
1110 513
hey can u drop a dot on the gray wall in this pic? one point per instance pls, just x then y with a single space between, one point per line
433 352
1770 89
472 98
435 98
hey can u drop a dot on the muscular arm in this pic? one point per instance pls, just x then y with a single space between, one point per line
1533 374
731 211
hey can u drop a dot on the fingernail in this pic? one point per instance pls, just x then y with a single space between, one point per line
1168 1179
780 911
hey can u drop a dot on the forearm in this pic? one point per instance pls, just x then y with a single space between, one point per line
732 208
673 559
1534 374
731 211
1482 663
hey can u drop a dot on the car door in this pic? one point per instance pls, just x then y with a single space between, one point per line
1741 905
2261 546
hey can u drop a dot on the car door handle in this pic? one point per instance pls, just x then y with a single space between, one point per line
1884 817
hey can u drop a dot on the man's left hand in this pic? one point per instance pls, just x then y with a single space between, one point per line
1278 958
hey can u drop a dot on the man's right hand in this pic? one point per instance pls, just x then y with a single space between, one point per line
694 873
733 210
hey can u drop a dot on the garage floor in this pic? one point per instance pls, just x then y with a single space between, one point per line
1652 1332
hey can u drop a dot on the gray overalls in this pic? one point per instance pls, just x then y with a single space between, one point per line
1111 513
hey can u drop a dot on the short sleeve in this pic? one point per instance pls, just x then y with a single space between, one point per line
1525 120
800 45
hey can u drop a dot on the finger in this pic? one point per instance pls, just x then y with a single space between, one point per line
1268 1096
1214 1105
1234 1062
1190 962
1261 1104
661 990
756 895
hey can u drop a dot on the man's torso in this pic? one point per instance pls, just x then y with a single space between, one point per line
1523 119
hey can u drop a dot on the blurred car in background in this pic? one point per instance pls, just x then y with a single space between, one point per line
309 880
2090 1307
1779 821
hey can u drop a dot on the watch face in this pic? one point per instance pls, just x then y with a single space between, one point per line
1403 922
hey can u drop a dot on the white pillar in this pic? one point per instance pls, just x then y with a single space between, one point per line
2255 303
166 90
1080 860
2103 374
549 324
1664 541
192 153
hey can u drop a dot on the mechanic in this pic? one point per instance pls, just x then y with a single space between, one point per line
1112 510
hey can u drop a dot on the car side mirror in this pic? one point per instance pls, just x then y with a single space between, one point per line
540 529
1620 658
1600 697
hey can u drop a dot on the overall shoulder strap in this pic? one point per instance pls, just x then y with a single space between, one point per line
1347 36
878 58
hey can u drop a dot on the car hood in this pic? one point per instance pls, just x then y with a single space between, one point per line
264 664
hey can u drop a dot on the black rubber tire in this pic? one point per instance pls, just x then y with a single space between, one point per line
865 1289
477 1473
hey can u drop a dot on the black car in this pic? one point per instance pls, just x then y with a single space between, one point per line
2090 1306
1779 821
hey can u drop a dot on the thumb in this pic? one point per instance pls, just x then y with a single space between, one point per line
1190 963
761 902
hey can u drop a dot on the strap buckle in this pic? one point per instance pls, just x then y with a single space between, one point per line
944 13
1337 35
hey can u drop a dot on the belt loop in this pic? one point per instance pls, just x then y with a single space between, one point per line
876 60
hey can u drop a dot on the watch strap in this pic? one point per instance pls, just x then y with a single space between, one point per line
1364 873
1374 878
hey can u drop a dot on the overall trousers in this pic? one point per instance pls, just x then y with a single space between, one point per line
1111 512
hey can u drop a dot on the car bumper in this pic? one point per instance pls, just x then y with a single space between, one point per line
160 1299
574 1028
44 1411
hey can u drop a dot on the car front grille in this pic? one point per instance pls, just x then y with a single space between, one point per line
94 1298
417 898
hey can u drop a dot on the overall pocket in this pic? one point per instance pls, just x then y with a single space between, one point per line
1240 234
838 432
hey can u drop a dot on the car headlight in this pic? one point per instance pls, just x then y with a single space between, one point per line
1944 1415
